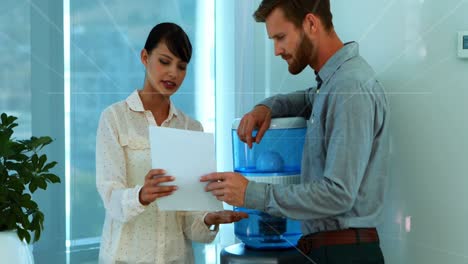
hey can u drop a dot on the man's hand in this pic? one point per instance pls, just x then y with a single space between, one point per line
228 187
224 217
259 117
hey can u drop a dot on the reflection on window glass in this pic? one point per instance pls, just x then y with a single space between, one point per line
15 64
106 38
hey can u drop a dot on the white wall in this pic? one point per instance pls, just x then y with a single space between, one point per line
412 46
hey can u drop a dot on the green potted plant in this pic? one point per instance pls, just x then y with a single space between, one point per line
23 170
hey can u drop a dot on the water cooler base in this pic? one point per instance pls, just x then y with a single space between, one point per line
239 254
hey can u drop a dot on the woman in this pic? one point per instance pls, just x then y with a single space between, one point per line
135 231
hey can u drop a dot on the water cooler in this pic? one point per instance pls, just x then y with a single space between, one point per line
276 160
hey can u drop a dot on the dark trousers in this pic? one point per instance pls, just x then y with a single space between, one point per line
364 253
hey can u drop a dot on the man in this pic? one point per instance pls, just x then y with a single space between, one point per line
345 158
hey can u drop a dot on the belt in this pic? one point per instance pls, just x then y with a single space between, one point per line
339 237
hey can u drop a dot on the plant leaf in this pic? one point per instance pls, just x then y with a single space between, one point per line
18 156
37 234
11 119
49 166
16 184
13 166
5 145
51 177
11 219
42 160
38 143
36 224
4 118
40 182
11 126
26 202
32 187
23 234
34 160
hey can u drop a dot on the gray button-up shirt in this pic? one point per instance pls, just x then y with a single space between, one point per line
346 151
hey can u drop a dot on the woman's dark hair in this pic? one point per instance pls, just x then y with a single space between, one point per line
296 10
174 37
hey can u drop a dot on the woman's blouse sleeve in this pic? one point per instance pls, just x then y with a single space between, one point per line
121 203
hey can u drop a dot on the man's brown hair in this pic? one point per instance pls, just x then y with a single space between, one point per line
296 10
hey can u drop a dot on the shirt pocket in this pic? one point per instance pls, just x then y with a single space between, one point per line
135 142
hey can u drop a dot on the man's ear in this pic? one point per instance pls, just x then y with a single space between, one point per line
144 57
311 23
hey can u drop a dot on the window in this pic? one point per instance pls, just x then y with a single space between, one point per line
15 64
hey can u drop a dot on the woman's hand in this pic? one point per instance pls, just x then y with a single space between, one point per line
224 217
151 189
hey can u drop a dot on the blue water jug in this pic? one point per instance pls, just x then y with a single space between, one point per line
276 160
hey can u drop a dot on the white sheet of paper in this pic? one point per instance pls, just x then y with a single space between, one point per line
186 155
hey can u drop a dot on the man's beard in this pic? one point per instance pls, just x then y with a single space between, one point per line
301 58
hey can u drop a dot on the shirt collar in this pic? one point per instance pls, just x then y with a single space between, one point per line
135 104
173 112
347 52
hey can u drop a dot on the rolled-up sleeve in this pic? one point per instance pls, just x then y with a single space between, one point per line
194 227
